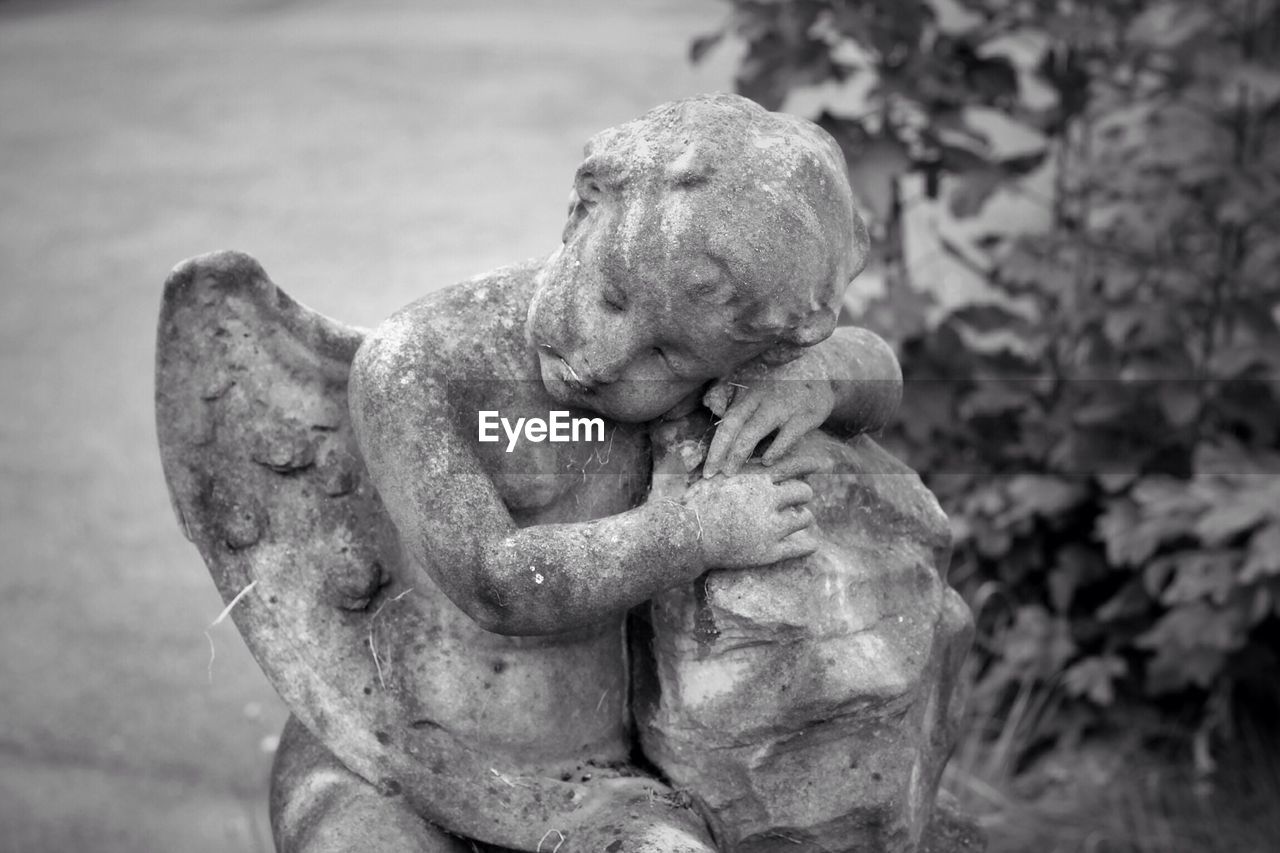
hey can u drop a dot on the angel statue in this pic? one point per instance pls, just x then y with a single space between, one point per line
716 618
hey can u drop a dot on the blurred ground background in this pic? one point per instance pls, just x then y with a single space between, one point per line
365 153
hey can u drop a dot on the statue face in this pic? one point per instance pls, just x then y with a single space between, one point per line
640 307
624 348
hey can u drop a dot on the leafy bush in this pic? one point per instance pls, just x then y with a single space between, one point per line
1078 212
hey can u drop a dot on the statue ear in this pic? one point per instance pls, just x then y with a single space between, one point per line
586 192
577 211
861 250
586 187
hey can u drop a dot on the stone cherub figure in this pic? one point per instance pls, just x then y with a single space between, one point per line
446 618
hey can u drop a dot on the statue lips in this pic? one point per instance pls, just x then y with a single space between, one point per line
562 371
574 380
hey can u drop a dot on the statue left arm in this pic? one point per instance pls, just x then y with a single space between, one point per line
865 377
850 383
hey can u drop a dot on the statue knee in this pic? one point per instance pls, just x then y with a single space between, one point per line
318 806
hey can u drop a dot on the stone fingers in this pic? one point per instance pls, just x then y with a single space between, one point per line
793 493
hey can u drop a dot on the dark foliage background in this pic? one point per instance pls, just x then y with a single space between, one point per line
1092 346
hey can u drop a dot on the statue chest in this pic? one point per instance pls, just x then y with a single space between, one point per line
594 471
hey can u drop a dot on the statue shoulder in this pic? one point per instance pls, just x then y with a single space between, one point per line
450 339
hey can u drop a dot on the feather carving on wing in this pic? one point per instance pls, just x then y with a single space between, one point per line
267 481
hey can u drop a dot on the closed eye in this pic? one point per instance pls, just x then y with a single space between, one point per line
614 299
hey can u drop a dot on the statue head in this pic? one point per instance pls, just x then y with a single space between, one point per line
704 235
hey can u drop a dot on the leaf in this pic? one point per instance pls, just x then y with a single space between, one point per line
992 542
1263 559
1007 137
874 170
1244 509
781 54
994 398
702 45
1194 626
1161 511
992 79
1103 410
1251 86
1037 644
1235 211
1161 496
1118 324
972 190
1128 603
1023 48
1075 567
1166 26
834 101
1116 481
962 148
1260 608
1180 402
1032 265
1009 340
1043 495
1201 575
1094 451
1156 574
1115 527
1095 677
952 18
1236 360
1171 670
1227 458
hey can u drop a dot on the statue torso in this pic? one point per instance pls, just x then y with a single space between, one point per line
556 701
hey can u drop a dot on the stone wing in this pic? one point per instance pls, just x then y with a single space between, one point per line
265 478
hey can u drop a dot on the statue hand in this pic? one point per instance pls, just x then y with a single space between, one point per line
791 399
754 518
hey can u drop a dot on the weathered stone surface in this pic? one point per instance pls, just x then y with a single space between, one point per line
444 617
811 705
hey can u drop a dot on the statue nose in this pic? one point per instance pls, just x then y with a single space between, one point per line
605 356
601 372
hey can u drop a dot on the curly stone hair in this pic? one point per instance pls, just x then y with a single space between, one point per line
756 174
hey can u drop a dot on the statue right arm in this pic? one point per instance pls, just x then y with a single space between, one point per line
453 524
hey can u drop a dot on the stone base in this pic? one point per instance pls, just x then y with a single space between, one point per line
811 705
